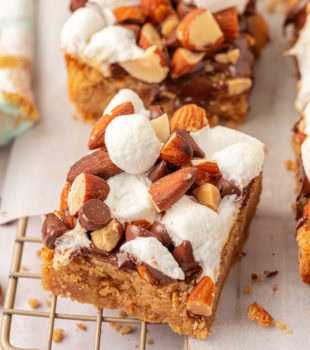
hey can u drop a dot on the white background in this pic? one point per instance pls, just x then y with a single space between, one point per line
271 245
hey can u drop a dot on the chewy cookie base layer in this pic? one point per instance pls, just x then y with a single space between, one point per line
93 281
91 92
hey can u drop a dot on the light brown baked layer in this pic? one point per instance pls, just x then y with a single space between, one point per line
91 92
91 280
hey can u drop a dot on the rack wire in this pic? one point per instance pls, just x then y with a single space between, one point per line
9 310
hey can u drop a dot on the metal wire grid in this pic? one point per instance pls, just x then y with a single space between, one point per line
52 315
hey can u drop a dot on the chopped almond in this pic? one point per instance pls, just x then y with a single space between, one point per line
33 303
58 335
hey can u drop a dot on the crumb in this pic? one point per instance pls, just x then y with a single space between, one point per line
275 288
115 326
247 289
308 312
283 327
122 313
81 326
270 273
38 254
149 341
58 335
231 124
48 303
24 268
33 303
254 276
126 329
293 206
260 315
290 165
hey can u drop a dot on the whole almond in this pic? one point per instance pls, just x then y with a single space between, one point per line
189 117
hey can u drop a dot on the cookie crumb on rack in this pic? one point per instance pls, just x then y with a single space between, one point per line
58 335
81 326
258 314
290 165
270 273
39 253
115 326
48 303
149 341
122 314
247 289
126 329
33 303
283 327
24 268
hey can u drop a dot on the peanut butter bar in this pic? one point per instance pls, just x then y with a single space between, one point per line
17 109
299 16
152 219
169 52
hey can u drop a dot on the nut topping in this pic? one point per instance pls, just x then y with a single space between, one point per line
94 215
208 195
150 37
52 228
97 163
189 117
161 127
260 315
176 151
200 300
151 67
157 10
169 189
96 139
64 198
239 86
207 172
130 14
108 237
85 187
229 23
168 24
198 30
183 61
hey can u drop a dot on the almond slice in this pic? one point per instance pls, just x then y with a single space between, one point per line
131 14
162 127
97 163
108 237
176 151
189 117
96 139
169 189
149 36
85 187
200 300
151 67
229 23
207 172
199 30
208 195
183 61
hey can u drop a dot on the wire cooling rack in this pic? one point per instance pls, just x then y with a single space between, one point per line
9 310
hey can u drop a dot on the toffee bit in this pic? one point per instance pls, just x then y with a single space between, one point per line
33 303
258 314
270 273
58 335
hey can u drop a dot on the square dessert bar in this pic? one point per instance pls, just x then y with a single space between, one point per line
152 219
299 15
169 52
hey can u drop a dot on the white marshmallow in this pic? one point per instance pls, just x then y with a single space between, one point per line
68 244
127 95
211 140
219 5
79 28
150 251
129 199
132 143
305 154
112 44
111 4
240 163
301 50
16 40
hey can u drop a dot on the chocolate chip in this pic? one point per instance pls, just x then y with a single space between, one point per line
156 112
134 28
76 4
134 231
94 215
227 188
183 254
160 232
52 228
197 151
160 170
